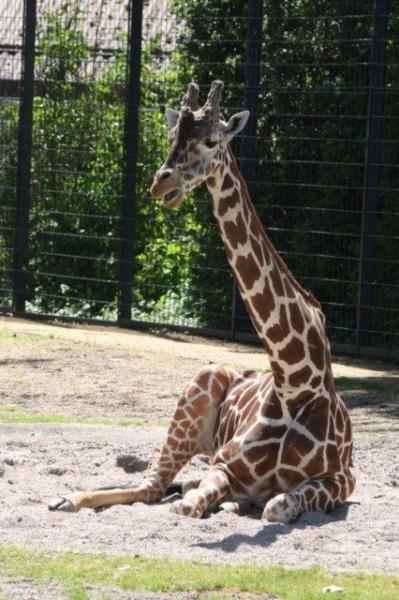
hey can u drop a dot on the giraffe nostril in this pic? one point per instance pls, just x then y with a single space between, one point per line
164 175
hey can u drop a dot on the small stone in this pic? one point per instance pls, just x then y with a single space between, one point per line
2 470
333 589
10 461
34 500
56 471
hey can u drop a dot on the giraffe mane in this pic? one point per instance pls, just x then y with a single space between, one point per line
279 260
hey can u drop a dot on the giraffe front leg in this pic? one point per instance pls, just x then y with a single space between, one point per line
320 494
188 433
99 498
213 488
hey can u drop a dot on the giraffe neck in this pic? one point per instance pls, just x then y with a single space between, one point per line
288 320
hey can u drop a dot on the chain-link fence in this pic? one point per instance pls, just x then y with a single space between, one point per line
83 90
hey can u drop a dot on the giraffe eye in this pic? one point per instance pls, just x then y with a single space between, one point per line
210 144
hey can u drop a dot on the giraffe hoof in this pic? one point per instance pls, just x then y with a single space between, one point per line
281 509
186 509
62 504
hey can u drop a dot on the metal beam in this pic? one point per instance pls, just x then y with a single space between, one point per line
21 239
129 200
372 162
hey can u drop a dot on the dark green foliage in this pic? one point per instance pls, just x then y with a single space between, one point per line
77 166
8 174
310 147
311 140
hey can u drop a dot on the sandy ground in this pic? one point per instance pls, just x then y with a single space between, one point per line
43 461
108 374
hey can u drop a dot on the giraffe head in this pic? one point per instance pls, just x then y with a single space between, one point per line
198 138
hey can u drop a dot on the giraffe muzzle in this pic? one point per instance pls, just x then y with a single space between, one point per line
167 187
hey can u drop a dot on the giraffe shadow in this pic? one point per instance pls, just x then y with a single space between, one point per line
272 531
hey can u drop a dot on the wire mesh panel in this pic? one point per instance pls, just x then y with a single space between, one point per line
182 276
311 176
11 20
319 154
312 110
77 157
379 293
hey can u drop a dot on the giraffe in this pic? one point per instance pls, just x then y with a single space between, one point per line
282 440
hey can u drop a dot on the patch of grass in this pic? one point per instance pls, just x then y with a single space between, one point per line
13 415
19 382
20 338
344 384
76 571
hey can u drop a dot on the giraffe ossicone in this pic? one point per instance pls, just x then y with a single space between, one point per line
283 440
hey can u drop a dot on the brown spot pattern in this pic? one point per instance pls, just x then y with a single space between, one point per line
229 202
227 182
295 447
248 270
315 418
269 459
316 348
296 317
288 288
300 377
280 330
264 303
293 352
257 249
316 381
272 408
241 471
277 283
278 372
316 464
235 232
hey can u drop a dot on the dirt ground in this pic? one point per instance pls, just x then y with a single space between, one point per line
103 373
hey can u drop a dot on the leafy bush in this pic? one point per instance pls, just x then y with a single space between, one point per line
310 145
310 148
77 169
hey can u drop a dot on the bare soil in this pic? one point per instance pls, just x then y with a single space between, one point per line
108 374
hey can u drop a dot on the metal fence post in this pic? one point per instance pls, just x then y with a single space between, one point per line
373 157
21 240
253 54
128 208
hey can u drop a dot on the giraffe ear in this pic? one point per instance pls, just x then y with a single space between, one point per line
235 124
172 117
